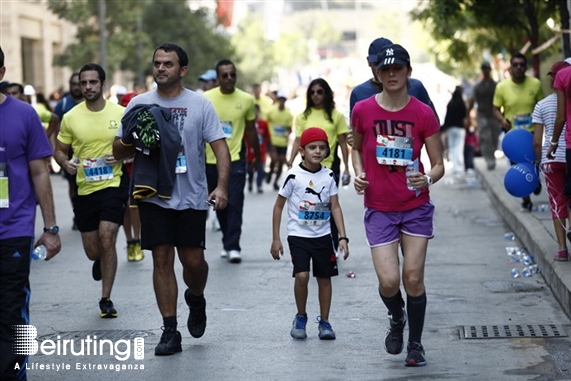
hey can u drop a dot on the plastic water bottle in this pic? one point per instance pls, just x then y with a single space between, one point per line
40 252
409 170
345 181
515 273
509 236
526 272
527 260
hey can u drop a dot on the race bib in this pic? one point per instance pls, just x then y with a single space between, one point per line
522 121
97 170
280 130
226 128
394 150
4 187
180 164
313 213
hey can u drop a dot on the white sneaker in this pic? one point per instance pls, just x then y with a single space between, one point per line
234 256
223 254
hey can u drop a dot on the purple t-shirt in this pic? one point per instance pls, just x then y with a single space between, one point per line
22 139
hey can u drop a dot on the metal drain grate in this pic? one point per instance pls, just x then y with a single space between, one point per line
510 331
109 335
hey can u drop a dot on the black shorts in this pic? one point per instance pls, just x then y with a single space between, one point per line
281 151
180 228
319 250
108 204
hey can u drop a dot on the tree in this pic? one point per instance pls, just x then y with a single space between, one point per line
465 28
189 29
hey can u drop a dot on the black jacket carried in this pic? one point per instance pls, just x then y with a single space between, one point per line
157 141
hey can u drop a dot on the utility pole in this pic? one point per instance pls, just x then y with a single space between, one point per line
103 34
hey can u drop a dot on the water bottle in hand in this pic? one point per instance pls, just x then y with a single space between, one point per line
345 180
40 252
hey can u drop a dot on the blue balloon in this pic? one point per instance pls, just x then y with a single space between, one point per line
518 146
521 179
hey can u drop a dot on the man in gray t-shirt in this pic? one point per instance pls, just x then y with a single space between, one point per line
488 127
180 221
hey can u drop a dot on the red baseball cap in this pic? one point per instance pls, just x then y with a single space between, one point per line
313 134
556 67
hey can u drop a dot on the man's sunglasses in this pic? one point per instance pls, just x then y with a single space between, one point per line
228 75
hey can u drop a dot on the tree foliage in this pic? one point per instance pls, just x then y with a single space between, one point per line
464 29
160 21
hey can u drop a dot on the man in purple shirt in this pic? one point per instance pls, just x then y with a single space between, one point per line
24 181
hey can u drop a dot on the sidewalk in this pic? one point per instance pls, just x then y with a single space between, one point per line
535 230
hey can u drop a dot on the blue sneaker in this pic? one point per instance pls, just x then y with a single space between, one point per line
325 330
298 327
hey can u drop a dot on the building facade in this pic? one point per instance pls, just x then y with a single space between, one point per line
30 35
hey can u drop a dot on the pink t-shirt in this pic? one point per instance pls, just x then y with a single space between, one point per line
387 189
563 82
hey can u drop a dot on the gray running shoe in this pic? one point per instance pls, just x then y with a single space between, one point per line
394 341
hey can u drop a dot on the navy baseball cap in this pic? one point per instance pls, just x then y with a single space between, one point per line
393 55
375 48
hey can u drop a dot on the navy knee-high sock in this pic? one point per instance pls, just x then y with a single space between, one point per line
394 304
416 309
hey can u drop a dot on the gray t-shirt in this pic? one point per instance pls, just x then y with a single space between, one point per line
198 124
484 96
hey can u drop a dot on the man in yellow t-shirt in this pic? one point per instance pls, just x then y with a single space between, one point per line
235 109
263 101
279 120
90 129
516 97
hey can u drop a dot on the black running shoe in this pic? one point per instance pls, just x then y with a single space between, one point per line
394 342
527 205
415 356
96 270
197 316
107 309
170 342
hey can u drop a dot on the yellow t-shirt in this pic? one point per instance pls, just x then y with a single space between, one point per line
518 100
280 122
233 111
266 103
91 135
44 114
318 118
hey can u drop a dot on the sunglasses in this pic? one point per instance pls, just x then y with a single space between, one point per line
228 75
318 92
520 64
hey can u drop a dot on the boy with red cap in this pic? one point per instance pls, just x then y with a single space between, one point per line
312 199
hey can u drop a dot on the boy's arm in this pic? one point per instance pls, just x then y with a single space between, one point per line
338 218
277 249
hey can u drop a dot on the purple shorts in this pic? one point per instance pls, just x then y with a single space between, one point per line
384 228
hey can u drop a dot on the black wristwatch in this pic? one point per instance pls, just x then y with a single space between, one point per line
344 238
52 230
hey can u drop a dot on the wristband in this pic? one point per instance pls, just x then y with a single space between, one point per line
344 238
553 144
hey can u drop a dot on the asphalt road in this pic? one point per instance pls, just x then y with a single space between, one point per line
251 306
